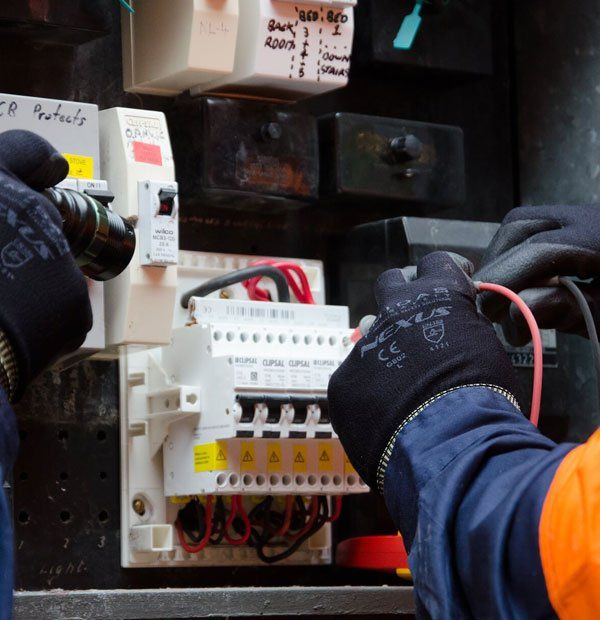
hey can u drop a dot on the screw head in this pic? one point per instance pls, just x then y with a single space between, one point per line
271 131
139 507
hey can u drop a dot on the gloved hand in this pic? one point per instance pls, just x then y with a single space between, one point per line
44 303
534 245
428 339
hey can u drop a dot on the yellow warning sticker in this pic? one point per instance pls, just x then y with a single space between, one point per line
248 456
180 499
80 166
299 460
273 457
210 456
325 453
348 467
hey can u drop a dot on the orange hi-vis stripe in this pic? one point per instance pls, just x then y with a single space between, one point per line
570 534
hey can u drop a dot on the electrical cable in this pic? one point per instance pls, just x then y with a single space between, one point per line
237 509
337 510
208 521
589 321
536 338
237 277
319 522
287 517
314 511
291 271
218 522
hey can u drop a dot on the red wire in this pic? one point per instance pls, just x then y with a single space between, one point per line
208 523
287 517
291 271
337 510
314 512
237 509
538 359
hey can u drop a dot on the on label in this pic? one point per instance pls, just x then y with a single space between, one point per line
210 457
325 454
248 456
273 457
299 460
80 166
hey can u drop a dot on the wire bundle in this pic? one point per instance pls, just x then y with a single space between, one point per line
262 528
294 274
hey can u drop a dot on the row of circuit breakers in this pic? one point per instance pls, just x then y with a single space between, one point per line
223 403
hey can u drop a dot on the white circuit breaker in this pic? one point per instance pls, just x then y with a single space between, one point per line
170 46
72 128
138 162
235 405
289 50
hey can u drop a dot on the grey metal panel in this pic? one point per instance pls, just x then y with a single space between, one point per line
213 602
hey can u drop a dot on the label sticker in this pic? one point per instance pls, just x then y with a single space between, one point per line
210 457
80 166
299 461
248 456
273 457
348 467
145 153
325 453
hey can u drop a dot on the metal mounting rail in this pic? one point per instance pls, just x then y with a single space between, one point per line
211 602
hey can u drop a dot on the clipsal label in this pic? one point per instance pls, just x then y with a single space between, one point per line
300 374
322 371
274 373
248 373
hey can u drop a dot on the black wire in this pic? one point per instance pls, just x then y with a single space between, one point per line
319 523
589 321
235 277
218 520
189 523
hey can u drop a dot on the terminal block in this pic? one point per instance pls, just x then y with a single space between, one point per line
235 407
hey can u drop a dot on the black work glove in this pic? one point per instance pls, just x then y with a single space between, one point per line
534 245
428 338
44 303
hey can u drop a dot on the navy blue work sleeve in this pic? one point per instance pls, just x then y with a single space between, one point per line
9 444
466 485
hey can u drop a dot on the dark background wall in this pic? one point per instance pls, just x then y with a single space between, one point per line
66 481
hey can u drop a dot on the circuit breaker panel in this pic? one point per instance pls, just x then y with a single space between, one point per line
228 417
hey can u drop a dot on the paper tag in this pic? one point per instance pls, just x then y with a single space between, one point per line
80 166
144 153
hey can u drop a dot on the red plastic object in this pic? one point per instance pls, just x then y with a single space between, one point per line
384 553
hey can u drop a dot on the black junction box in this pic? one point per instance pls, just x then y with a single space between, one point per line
243 154
417 167
455 36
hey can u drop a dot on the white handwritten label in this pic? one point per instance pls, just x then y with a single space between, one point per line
306 42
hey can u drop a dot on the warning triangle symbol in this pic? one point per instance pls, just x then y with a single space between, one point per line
247 458
273 458
299 458
221 456
324 456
